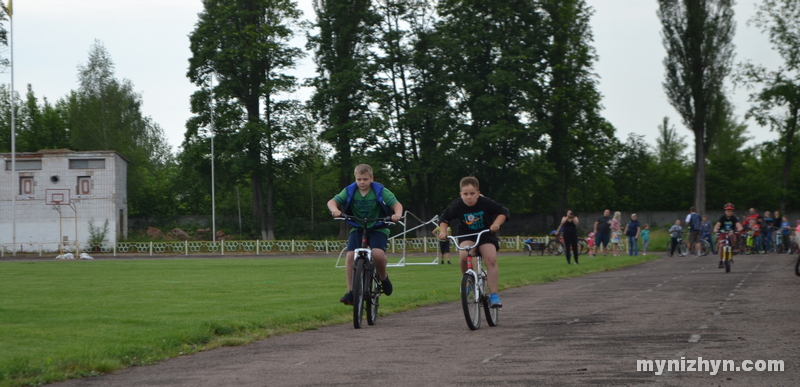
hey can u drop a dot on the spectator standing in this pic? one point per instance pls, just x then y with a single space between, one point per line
602 232
569 227
705 229
444 245
786 229
616 232
693 221
632 231
766 232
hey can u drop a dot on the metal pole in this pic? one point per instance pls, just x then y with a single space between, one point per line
14 179
213 193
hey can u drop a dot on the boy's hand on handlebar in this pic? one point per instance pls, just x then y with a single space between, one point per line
333 213
494 228
396 217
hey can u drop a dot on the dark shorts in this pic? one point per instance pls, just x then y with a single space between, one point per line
602 238
444 246
377 240
487 238
694 237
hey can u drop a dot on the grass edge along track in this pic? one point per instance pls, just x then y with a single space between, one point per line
62 320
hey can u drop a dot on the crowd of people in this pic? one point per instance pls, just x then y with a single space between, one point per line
769 232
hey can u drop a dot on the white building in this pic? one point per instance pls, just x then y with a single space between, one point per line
56 196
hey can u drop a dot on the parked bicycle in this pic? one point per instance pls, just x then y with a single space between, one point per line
367 287
557 246
474 294
682 248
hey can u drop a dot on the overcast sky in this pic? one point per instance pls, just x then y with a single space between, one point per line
148 42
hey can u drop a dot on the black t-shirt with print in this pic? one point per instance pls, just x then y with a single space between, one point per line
473 219
728 223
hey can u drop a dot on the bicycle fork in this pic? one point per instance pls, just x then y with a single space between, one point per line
475 278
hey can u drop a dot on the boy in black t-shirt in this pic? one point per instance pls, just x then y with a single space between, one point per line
727 222
475 213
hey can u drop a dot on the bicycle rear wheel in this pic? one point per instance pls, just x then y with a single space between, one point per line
371 298
359 286
554 247
472 308
705 247
583 247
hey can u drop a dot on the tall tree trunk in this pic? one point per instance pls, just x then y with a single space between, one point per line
787 162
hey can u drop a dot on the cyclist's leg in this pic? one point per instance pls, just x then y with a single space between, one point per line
489 254
353 242
377 242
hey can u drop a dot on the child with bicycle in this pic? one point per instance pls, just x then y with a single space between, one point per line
474 213
727 224
368 200
675 233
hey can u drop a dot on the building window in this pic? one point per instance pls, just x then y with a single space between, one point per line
25 165
26 185
84 185
87 164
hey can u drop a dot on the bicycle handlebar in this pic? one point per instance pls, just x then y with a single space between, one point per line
365 221
455 241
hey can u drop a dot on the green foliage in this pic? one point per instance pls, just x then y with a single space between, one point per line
245 43
698 36
97 234
138 312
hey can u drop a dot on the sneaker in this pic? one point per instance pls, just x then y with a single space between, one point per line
644 253
494 301
386 284
721 265
576 261
449 263
347 299
442 262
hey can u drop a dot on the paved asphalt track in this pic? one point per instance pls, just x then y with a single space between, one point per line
589 330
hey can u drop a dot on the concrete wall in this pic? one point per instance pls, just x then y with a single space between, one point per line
38 222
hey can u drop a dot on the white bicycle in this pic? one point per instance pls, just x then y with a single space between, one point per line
473 286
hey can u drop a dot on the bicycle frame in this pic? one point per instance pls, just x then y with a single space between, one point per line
479 275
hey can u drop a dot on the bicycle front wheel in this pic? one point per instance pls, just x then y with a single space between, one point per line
472 308
797 267
359 286
727 265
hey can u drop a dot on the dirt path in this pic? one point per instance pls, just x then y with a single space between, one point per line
587 330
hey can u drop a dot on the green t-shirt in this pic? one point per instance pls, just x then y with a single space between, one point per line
367 206
645 235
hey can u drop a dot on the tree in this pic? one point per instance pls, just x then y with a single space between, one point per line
570 100
45 126
697 36
345 76
669 145
777 103
105 114
246 45
494 54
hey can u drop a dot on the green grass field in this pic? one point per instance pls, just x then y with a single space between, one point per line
62 320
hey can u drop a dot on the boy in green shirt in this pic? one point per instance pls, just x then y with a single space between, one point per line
361 200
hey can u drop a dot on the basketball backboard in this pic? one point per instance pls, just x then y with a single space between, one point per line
57 197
